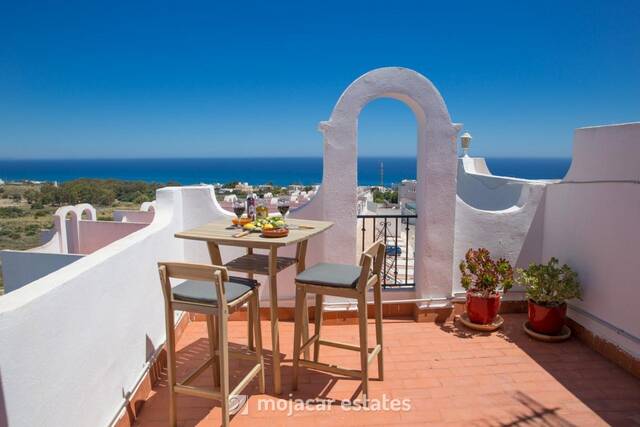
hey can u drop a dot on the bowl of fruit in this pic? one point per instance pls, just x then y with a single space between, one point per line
272 226
242 221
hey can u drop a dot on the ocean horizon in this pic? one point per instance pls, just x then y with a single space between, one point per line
277 170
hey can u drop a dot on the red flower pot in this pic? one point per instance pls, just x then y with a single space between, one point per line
547 320
482 310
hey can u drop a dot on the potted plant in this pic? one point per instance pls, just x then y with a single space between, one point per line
483 278
548 288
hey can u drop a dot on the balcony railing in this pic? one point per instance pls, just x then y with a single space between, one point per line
398 232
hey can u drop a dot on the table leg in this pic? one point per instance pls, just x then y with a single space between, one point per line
275 336
214 253
301 254
249 314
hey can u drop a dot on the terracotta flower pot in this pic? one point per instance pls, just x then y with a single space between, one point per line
482 310
547 320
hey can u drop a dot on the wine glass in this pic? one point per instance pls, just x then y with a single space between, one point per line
238 209
283 206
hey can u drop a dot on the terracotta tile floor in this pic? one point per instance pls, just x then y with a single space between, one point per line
450 376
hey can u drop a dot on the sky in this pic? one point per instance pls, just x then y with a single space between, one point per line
144 79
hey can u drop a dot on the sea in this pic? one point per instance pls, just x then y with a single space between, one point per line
278 171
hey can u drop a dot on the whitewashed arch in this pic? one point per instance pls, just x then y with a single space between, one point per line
86 207
148 206
436 174
60 224
69 234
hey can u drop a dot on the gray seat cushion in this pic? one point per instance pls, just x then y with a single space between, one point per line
334 275
205 292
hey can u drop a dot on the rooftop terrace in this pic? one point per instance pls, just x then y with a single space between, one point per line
86 339
450 375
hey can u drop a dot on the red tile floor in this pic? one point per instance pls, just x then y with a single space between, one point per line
449 375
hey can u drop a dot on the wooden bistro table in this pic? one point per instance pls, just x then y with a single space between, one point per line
220 233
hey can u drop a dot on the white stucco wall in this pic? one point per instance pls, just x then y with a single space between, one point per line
121 215
591 223
51 242
76 341
95 235
485 191
502 214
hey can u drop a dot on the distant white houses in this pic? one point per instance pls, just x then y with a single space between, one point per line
244 187
407 196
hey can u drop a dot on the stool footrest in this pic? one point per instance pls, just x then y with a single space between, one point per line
374 353
207 393
196 372
343 346
245 381
309 342
355 373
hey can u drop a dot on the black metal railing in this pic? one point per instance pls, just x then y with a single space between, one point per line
397 232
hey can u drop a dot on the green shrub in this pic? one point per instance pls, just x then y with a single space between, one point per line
549 284
98 192
482 275
385 196
11 212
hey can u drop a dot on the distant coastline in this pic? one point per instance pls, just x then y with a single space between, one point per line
279 171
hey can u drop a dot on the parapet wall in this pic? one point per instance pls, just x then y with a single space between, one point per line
95 235
591 223
502 214
91 328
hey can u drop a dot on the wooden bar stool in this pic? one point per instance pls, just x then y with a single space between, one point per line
348 281
209 290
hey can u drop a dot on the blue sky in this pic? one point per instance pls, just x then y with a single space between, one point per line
82 79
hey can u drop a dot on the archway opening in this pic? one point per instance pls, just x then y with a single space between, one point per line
387 160
70 220
435 174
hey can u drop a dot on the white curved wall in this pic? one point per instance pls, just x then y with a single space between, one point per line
591 223
502 214
512 233
484 191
